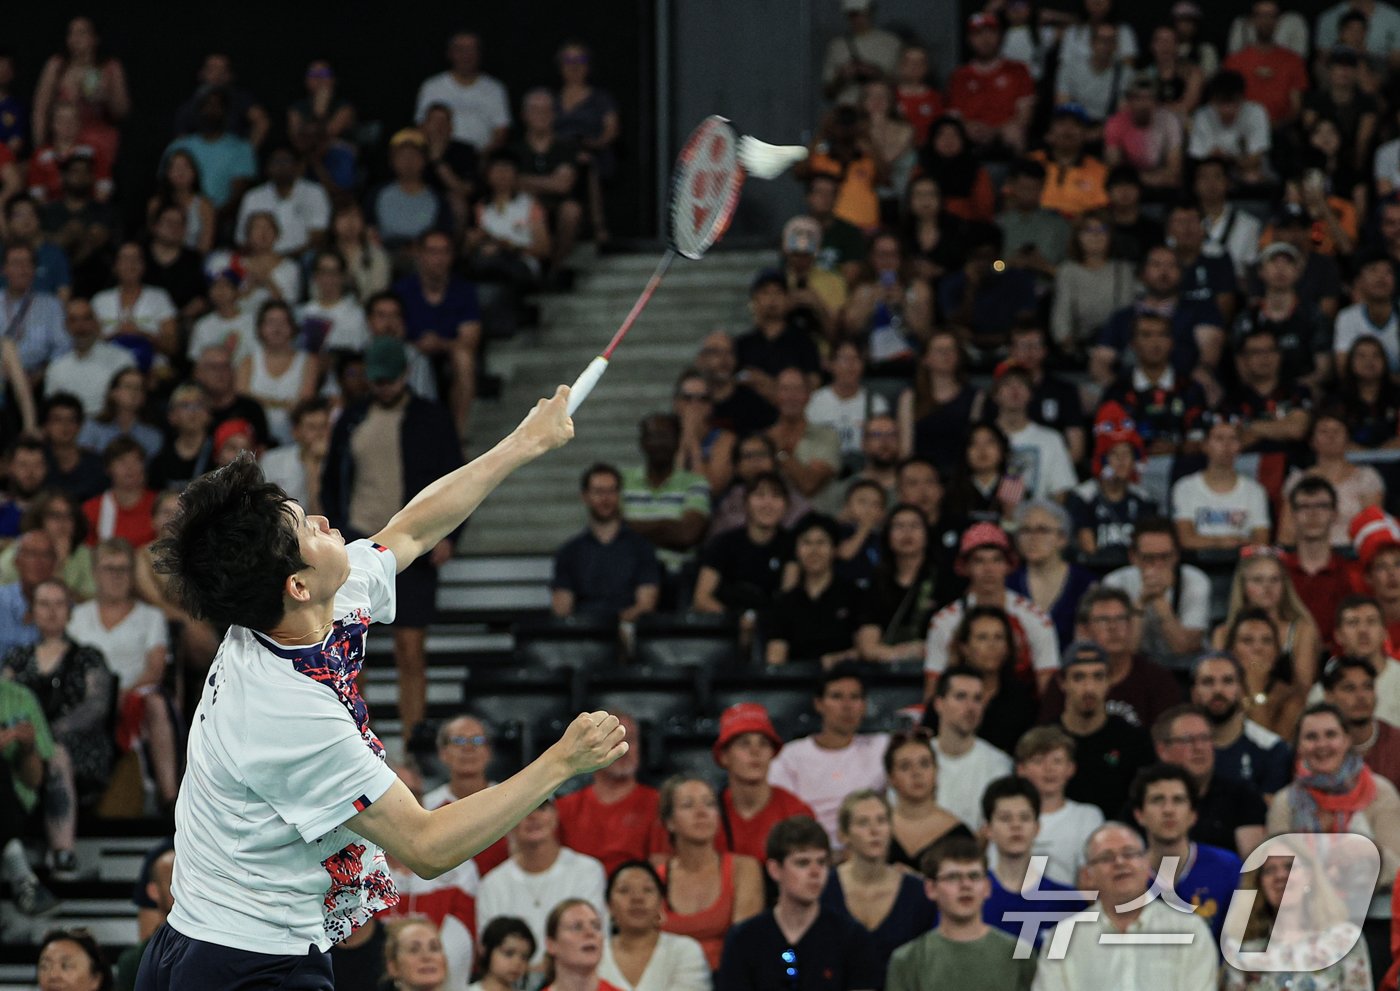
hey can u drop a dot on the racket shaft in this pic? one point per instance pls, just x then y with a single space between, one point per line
584 384
641 304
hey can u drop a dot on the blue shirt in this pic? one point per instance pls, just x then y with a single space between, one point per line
220 162
458 306
39 329
1210 878
1002 901
1001 298
14 631
14 120
1066 606
604 577
1259 756
401 216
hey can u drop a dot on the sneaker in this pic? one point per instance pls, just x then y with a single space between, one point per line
33 899
63 865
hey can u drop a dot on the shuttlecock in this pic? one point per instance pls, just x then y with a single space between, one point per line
765 161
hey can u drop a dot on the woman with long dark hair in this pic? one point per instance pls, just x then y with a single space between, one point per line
917 821
1369 398
1273 692
930 236
179 185
933 415
947 158
639 956
983 491
985 640
903 596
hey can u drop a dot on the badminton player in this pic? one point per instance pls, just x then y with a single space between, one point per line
287 802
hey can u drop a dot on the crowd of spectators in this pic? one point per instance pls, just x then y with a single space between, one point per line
282 295
1063 333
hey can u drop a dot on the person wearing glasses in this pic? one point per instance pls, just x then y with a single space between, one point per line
963 951
1173 599
1321 576
1118 870
1139 689
464 747
1229 812
796 945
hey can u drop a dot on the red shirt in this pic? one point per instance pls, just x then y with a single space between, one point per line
1271 77
1383 756
1322 592
45 179
990 95
920 108
750 836
133 525
627 830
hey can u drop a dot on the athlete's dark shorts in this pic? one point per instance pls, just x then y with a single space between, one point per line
174 962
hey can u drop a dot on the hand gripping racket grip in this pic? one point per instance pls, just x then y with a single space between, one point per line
584 384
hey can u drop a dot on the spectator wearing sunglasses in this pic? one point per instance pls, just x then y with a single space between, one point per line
826 952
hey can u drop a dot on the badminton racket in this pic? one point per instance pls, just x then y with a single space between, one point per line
705 185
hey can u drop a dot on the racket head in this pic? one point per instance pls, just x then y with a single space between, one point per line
705 187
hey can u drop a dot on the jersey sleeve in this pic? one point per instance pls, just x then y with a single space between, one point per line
305 757
372 583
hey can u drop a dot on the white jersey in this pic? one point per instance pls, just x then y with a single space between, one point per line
1035 634
280 756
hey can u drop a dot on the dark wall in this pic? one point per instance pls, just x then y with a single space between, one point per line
381 52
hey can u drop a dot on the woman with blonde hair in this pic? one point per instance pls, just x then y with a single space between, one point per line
888 901
706 891
1299 923
1262 582
573 945
413 956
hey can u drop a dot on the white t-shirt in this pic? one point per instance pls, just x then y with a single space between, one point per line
478 109
1192 602
1039 455
508 890
1237 513
1026 620
1248 135
963 779
306 208
1353 324
845 416
823 778
87 376
125 645
346 329
152 308
1388 692
280 757
1061 839
283 466
677 964
285 274
235 334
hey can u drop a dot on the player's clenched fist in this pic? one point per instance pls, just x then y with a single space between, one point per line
593 740
548 425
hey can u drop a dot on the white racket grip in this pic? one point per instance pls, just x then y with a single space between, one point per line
584 384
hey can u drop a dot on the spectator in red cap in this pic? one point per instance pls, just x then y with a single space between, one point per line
1107 506
1375 535
231 439
615 818
749 805
986 558
995 96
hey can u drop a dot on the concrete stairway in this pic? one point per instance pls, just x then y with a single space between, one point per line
538 508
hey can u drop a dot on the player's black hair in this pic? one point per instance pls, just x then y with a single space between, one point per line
231 547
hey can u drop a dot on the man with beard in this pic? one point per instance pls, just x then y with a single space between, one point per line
608 568
737 406
26 470
1108 749
1349 683
1243 748
384 452
1229 812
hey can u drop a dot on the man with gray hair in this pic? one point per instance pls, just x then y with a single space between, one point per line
464 747
1134 940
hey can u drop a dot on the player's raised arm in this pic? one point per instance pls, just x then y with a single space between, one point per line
432 843
441 507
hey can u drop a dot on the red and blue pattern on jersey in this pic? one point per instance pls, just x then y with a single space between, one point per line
337 664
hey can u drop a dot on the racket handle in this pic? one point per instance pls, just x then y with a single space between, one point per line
584 384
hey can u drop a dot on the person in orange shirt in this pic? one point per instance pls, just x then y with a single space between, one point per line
843 150
615 818
1075 182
